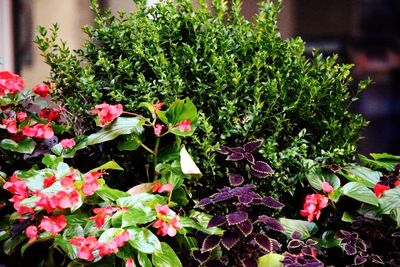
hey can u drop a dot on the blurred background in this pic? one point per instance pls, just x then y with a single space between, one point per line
362 32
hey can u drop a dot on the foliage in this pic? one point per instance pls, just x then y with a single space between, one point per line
249 82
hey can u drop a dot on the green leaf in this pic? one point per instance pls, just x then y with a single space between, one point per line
51 161
143 260
360 192
81 143
328 240
306 229
26 146
137 215
144 240
395 215
179 111
109 234
390 200
335 195
317 176
111 165
4 235
179 196
107 193
380 156
362 175
347 217
166 257
385 164
11 244
270 260
120 126
130 142
144 199
65 246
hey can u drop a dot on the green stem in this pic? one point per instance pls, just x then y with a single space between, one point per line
134 114
156 151
148 149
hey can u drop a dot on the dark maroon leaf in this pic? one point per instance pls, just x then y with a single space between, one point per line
238 150
358 260
211 242
307 251
204 202
245 199
272 203
235 157
334 168
229 239
311 242
249 157
245 227
235 179
261 167
296 235
271 223
376 259
264 242
360 245
201 257
236 217
295 243
350 250
276 245
222 196
225 150
252 146
258 175
217 220
249 262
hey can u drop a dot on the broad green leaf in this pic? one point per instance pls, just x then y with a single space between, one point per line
109 234
51 161
73 230
270 260
10 245
137 215
144 260
328 240
107 193
144 199
179 196
77 218
111 165
26 146
306 229
62 170
317 176
362 175
120 126
395 215
4 235
166 257
360 192
335 195
385 164
65 246
390 200
380 156
144 240
130 142
81 143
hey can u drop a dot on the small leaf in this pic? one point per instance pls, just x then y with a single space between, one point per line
264 242
252 146
349 249
245 227
271 223
229 239
248 262
211 242
250 158
261 167
225 150
236 217
235 179
217 220
111 165
235 157
26 146
204 202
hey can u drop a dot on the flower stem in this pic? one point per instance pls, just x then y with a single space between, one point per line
148 149
134 114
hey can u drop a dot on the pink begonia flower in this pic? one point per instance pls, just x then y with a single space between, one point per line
101 213
49 181
64 200
184 126
379 189
158 106
16 186
162 209
68 143
112 246
21 116
160 188
129 262
11 125
313 205
39 130
86 246
31 232
158 129
91 184
44 202
50 114
167 228
10 83
327 187
53 224
68 180
42 90
107 113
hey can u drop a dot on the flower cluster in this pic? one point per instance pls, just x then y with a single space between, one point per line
10 83
53 224
101 214
107 113
387 182
313 205
164 225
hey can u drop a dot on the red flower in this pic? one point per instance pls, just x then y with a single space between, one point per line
185 125
327 187
21 116
10 83
44 202
101 213
86 246
48 181
64 200
68 180
158 106
68 143
122 238
379 189
41 89
50 114
160 188
53 224
31 232
162 209
129 262
107 113
16 186
397 183
11 125
158 129
112 246
313 205
167 228
39 130
90 184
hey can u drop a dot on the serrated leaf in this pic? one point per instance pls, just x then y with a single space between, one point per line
210 243
229 239
264 242
236 217
360 192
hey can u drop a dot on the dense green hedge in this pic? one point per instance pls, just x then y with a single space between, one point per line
247 81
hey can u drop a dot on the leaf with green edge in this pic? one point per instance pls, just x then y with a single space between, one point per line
347 217
143 260
109 234
317 176
57 149
270 260
26 146
362 175
107 193
130 142
390 200
335 195
379 164
380 156
166 257
144 240
111 165
328 240
395 215
360 192
179 196
51 161
65 246
73 230
4 235
137 215
306 229
77 218
11 244
144 199
121 126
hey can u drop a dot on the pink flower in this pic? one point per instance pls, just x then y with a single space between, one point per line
11 125
185 125
53 224
44 202
397 183
68 180
10 83
379 189
158 106
42 90
64 200
16 186
39 130
122 238
160 188
129 262
90 184
167 228
327 187
107 113
108 248
162 209
158 129
313 205
50 114
68 143
21 116
31 232
101 213
86 246
49 181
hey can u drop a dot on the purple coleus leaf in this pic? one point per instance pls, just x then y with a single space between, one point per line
258 175
225 150
264 242
229 239
271 223
276 245
360 245
221 196
376 259
201 257
247 262
204 202
235 179
217 220
245 199
235 157
245 227
358 260
237 217
238 150
272 203
349 249
252 146
250 158
211 242
296 235
261 167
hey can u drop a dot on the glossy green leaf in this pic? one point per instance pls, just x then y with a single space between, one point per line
385 164
144 199
144 240
65 246
130 142
362 175
11 244
166 257
108 193
317 176
137 215
111 165
26 146
360 192
270 260
51 161
390 200
306 229
143 260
